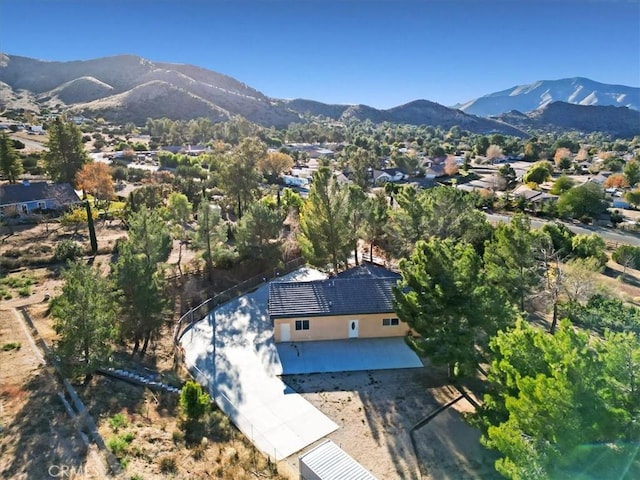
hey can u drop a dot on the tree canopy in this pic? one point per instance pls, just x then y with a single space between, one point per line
554 398
325 234
139 278
446 298
66 154
10 163
582 201
85 315
95 179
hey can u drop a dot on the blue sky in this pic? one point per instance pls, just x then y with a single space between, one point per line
381 53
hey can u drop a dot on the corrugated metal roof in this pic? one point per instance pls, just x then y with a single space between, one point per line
329 462
334 296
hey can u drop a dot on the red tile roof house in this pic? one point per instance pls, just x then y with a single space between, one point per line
24 199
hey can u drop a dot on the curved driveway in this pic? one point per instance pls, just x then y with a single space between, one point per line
232 351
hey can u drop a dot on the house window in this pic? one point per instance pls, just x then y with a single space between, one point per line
390 322
302 324
41 205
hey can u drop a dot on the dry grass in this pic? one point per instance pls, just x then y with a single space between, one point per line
35 431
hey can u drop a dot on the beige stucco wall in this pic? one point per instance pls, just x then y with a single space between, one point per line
337 327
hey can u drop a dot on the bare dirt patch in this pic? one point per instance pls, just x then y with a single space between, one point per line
36 434
150 441
376 411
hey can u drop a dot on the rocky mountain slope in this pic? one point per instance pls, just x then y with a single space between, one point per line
616 121
127 88
579 91
418 112
130 88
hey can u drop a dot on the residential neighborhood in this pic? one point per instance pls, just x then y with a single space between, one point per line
330 240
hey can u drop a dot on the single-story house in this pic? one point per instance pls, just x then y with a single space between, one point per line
534 197
357 303
22 199
388 175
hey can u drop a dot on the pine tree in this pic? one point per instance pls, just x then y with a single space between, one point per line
66 154
326 236
10 163
84 318
139 278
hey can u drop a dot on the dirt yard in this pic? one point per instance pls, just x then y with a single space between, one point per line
37 437
376 411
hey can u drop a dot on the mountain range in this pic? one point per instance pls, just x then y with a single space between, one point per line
128 88
578 91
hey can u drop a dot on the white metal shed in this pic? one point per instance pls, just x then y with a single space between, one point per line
328 461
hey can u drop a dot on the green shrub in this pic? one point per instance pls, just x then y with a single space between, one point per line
118 421
627 255
117 445
11 346
67 250
24 291
194 403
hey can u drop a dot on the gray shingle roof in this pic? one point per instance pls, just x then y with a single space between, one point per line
368 270
63 193
334 296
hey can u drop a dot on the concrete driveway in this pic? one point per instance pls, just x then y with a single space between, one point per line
346 355
233 353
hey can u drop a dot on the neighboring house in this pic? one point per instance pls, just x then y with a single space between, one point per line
600 178
357 303
294 181
434 170
388 175
23 199
38 129
535 197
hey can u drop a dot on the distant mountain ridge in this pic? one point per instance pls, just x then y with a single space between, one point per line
130 88
615 121
577 90
127 88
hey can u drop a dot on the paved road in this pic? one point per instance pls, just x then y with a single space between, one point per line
608 234
31 144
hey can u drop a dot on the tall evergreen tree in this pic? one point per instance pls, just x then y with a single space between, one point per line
211 234
142 285
258 231
241 176
376 221
66 154
444 296
140 279
93 239
84 318
10 164
325 234
357 217
563 405
510 259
